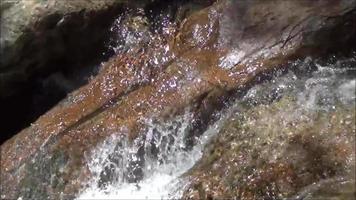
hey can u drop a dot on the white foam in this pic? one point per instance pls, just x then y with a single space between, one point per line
161 179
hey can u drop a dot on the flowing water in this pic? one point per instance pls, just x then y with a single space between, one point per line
158 164
160 172
152 166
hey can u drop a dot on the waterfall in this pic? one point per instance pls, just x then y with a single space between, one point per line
161 172
153 164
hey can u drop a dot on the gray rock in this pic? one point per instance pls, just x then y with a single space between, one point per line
41 36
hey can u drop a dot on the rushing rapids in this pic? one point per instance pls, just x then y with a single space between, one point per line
166 161
231 99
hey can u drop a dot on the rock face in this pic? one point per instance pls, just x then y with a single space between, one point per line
45 46
291 138
51 47
37 34
193 66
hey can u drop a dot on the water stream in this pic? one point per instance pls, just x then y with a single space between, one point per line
160 173
152 166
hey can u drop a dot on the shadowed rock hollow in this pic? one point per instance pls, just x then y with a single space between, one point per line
200 64
48 48
51 47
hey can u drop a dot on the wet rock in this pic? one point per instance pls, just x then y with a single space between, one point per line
44 40
288 147
40 38
189 67
247 162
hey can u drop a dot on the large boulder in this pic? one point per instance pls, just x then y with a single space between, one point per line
214 52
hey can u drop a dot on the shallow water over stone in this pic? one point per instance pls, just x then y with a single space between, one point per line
158 165
203 103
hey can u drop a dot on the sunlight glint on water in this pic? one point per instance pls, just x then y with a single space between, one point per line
319 91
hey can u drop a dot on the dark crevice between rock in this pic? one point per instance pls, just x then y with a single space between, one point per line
172 10
62 54
56 59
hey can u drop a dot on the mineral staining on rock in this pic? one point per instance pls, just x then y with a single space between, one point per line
191 67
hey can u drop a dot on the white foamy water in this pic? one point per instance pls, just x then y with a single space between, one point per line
161 173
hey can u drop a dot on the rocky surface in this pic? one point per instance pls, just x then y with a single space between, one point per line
36 34
291 138
190 67
47 49
50 48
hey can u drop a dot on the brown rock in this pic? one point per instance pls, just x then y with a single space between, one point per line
133 86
